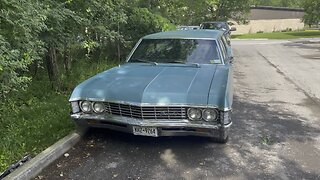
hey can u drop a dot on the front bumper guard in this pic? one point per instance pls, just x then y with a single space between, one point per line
165 127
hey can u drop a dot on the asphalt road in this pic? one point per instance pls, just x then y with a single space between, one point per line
275 135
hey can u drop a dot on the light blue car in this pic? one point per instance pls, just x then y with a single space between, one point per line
175 83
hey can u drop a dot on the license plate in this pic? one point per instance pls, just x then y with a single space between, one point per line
145 131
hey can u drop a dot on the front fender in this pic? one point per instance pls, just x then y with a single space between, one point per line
221 91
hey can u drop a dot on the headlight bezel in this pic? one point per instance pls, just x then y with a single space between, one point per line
89 105
216 114
100 103
202 110
194 119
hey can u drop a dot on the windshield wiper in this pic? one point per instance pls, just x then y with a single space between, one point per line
142 60
196 64
180 62
183 62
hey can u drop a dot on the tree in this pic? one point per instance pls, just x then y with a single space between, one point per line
277 3
48 33
190 12
62 26
312 12
20 46
221 10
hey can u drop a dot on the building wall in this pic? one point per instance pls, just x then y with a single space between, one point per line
269 19
263 14
269 25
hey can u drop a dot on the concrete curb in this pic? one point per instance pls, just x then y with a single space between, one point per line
33 167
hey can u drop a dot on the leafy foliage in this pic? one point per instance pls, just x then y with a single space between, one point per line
55 33
278 3
312 12
21 22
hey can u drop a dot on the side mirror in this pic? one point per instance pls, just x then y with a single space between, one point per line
233 29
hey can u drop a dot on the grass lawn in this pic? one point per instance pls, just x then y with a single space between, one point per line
34 119
280 35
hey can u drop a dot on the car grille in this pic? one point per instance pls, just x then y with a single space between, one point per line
146 112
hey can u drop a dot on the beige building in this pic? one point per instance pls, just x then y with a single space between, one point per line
270 19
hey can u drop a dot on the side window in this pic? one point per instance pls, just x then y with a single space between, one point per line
224 40
223 48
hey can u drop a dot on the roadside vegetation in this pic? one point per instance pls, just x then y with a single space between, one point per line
280 35
34 119
48 47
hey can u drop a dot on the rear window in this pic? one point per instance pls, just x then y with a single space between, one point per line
216 26
177 51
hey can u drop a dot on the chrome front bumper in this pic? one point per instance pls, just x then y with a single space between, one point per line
164 127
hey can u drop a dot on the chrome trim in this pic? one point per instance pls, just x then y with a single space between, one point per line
220 52
217 114
104 109
146 112
226 109
181 38
227 125
190 117
148 123
80 105
213 39
151 104
133 50
146 104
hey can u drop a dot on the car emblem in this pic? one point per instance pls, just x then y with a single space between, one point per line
166 113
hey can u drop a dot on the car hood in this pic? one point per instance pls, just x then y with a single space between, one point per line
149 84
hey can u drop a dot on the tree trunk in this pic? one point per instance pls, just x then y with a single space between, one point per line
34 68
67 60
52 68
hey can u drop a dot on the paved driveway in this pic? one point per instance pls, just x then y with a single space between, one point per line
275 135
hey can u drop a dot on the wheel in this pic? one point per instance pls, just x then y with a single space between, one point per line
223 140
220 140
81 127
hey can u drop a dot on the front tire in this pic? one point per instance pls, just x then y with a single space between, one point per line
81 127
222 140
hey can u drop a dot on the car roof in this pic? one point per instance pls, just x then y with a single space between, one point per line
187 34
221 22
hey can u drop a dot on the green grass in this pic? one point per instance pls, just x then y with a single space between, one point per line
280 35
34 119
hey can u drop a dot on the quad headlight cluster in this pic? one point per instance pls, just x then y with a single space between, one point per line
88 107
194 114
197 114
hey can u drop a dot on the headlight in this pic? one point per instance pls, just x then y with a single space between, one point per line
98 107
209 115
75 106
194 114
86 106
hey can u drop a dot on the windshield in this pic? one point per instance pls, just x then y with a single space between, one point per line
177 51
